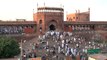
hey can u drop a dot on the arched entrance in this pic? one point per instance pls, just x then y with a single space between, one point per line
52 27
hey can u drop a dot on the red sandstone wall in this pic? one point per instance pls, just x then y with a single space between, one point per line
83 17
35 16
28 30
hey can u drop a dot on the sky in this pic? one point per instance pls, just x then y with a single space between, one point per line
23 9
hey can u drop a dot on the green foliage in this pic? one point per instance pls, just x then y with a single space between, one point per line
8 47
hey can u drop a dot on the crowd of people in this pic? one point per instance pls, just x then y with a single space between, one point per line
54 45
10 30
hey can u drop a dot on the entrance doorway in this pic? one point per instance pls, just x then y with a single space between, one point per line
52 27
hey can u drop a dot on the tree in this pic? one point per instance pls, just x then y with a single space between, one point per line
9 47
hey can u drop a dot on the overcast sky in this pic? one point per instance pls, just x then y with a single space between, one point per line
23 9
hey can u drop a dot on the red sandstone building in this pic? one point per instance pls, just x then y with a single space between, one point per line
79 16
52 18
49 18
